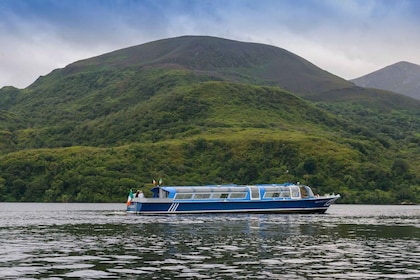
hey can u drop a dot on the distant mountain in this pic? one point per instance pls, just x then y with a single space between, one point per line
402 77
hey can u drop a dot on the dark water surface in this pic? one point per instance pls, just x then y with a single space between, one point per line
100 241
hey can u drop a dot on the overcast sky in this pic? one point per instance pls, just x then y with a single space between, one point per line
348 38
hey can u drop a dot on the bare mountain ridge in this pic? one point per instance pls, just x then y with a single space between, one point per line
402 77
228 59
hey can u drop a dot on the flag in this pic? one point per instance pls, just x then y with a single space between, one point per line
130 197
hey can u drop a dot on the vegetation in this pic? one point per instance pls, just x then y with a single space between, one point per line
86 174
95 129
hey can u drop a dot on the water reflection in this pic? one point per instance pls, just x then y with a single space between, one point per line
102 242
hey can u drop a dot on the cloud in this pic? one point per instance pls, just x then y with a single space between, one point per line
347 38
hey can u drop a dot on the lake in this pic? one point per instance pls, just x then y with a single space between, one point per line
100 241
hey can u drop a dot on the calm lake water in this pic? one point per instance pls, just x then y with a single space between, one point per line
100 241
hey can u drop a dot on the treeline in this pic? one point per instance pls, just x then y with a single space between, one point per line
84 174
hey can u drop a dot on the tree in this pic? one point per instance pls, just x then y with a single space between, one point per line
310 165
400 167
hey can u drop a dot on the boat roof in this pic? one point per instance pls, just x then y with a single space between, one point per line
217 188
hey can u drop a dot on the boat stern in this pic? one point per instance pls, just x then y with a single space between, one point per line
134 207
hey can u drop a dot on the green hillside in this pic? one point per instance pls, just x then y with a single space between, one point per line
201 110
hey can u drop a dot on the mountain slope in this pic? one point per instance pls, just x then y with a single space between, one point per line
402 77
173 109
223 59
102 88
98 86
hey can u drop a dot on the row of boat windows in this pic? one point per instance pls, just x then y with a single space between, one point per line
234 195
280 194
237 195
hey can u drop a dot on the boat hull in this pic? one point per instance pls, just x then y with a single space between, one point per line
166 206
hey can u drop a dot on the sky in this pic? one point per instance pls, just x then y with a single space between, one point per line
348 38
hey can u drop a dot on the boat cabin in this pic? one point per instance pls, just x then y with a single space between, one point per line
233 192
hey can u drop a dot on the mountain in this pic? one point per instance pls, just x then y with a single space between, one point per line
117 86
196 110
402 77
221 59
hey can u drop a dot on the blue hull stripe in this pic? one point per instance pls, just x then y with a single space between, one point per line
258 206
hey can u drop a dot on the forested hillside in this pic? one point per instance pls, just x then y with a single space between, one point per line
203 110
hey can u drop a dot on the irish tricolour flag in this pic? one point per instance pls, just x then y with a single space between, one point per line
130 197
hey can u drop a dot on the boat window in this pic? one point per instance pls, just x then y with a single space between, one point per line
285 194
303 191
183 196
237 195
220 195
309 191
255 192
295 191
271 194
201 195
164 194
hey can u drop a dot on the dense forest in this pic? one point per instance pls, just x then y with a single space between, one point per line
86 174
92 131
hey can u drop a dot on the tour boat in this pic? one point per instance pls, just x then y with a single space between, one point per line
264 198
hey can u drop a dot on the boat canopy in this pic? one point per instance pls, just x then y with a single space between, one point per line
266 191
206 189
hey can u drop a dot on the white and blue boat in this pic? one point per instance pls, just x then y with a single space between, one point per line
264 198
